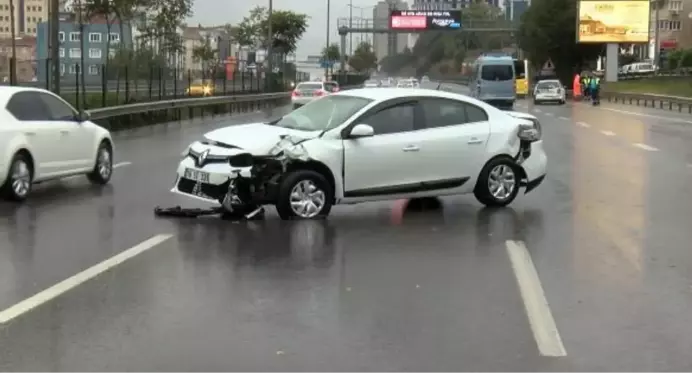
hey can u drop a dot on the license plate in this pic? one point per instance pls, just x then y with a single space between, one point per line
196 175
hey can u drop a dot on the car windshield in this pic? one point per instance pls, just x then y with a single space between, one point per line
323 114
548 85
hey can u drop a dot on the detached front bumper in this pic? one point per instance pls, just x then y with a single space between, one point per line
213 191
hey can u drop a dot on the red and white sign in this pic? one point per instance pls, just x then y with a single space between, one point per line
409 22
669 44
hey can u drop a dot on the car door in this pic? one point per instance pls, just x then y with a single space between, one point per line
42 137
453 143
76 142
388 162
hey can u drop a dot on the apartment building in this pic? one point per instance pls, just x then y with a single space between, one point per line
27 15
674 26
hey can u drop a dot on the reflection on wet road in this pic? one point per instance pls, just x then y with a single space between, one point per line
421 285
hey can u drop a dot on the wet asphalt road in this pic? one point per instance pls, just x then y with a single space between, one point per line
377 286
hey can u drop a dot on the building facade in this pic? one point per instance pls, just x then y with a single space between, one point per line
674 26
25 48
27 15
390 43
95 50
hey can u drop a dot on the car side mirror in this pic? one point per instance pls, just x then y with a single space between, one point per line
83 116
361 130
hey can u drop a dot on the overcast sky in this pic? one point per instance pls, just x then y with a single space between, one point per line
215 12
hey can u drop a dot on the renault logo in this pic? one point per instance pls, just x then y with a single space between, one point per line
202 157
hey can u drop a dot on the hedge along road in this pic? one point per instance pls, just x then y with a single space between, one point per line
596 249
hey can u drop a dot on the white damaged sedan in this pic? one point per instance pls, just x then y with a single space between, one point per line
367 145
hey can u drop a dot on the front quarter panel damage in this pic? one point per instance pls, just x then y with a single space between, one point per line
255 179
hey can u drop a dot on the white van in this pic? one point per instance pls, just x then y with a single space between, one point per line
494 80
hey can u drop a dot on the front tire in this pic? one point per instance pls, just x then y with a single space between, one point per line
304 194
103 168
498 183
19 179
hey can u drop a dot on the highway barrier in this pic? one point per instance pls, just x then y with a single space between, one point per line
680 104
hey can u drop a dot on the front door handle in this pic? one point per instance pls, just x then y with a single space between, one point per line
30 133
475 140
411 148
64 132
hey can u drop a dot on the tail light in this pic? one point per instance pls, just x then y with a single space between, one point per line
336 89
295 93
319 92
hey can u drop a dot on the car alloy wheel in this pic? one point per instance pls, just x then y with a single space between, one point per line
501 182
104 164
20 179
307 200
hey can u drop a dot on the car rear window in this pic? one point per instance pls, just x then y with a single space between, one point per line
309 86
497 72
548 85
331 87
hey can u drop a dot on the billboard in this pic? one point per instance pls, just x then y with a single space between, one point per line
421 20
613 21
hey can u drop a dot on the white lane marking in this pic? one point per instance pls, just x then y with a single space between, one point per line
648 115
564 118
537 110
60 288
122 164
583 124
608 133
537 309
549 114
645 147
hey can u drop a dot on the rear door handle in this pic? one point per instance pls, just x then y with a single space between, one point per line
411 148
475 140
30 133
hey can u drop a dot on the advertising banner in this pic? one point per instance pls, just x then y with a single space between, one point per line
419 20
613 21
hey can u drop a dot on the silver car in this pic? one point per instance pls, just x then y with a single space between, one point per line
306 92
549 91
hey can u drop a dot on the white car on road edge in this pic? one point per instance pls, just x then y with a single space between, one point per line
367 145
549 91
42 137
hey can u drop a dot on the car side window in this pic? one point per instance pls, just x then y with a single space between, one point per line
444 112
27 106
57 109
394 119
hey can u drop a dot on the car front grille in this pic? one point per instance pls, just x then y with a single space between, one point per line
210 190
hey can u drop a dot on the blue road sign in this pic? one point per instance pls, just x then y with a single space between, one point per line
326 64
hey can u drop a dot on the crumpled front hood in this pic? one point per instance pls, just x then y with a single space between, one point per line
256 138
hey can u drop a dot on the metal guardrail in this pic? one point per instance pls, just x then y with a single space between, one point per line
138 108
674 103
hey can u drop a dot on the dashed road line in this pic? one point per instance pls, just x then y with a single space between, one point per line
645 147
583 124
542 323
564 118
608 133
549 114
68 284
122 164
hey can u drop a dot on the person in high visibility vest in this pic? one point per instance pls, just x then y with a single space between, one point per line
595 89
585 85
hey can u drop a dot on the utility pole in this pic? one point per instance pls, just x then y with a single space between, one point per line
13 61
55 43
270 42
326 67
657 42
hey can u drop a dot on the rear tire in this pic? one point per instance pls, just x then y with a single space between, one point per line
304 194
103 167
498 183
19 179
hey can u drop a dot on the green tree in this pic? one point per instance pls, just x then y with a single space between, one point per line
287 29
363 59
206 55
331 53
548 31
686 58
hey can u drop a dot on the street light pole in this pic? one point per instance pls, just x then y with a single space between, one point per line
326 67
270 42
13 61
350 25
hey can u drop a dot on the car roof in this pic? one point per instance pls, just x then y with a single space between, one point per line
549 81
7 91
382 94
